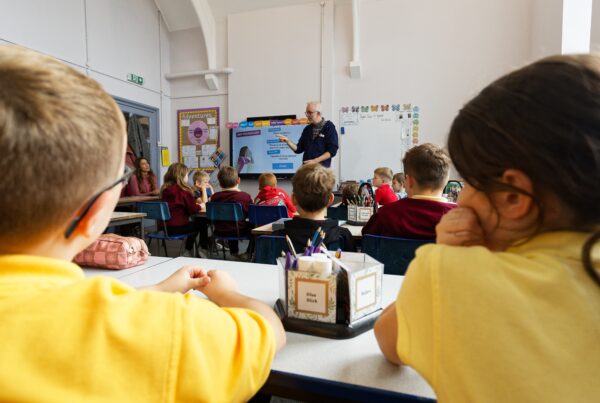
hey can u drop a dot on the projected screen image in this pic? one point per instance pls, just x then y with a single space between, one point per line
255 150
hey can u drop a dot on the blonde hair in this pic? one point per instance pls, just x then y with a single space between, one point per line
267 179
198 175
176 176
58 130
312 186
385 174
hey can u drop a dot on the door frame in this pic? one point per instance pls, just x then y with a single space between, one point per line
153 116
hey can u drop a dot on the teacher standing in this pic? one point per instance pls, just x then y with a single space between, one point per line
319 140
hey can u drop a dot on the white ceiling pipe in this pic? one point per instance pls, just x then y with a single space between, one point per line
172 76
355 63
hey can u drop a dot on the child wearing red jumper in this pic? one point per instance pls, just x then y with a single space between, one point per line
382 177
270 195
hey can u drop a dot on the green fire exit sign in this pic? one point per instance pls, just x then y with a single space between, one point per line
135 79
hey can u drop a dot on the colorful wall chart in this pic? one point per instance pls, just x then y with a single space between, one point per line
375 136
198 137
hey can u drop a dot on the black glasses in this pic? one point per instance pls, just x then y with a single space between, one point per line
310 112
123 180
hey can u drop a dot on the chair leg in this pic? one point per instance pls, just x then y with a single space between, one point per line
165 248
224 257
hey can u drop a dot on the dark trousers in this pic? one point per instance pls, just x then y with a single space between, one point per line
198 227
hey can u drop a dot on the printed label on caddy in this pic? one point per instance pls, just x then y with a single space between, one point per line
365 291
312 296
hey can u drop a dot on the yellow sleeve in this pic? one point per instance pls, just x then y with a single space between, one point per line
225 354
415 312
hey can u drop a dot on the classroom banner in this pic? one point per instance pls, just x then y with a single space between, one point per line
198 137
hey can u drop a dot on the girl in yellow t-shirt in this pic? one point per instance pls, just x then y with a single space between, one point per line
506 305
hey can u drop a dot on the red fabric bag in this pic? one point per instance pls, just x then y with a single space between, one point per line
112 251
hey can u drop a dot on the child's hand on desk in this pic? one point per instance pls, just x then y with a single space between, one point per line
459 227
221 284
185 279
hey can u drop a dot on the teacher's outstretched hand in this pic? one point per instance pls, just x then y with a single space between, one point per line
319 139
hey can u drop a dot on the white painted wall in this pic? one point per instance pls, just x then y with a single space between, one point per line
107 39
434 54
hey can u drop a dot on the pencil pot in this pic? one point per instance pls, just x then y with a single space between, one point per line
359 215
338 304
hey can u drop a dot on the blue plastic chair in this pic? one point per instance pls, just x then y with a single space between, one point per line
338 213
216 211
395 253
159 211
260 215
269 248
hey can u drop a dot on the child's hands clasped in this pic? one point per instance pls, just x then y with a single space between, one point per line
220 284
183 280
460 227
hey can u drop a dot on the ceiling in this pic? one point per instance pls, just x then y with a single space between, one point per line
180 14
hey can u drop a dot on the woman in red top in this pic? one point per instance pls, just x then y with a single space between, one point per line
143 183
182 205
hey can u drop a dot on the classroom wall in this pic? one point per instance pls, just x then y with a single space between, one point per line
406 57
595 34
434 54
106 39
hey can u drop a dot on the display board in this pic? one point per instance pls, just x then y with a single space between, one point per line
375 136
257 149
198 137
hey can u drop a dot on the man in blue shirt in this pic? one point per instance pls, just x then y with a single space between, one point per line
319 140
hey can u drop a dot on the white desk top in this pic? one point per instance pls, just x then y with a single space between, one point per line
152 261
355 361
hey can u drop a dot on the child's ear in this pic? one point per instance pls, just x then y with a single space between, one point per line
513 204
92 224
331 198
294 201
409 181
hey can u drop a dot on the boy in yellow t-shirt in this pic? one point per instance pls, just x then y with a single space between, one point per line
67 338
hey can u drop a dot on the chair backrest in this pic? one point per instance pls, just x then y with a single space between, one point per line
338 213
216 211
395 253
269 248
260 215
155 210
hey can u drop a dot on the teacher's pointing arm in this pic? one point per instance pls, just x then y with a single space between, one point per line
290 143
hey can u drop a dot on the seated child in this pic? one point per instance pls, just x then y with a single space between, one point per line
270 195
426 169
506 306
381 180
203 190
399 185
312 192
182 206
230 193
67 338
143 181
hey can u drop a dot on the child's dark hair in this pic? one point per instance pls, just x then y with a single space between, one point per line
541 119
227 177
428 164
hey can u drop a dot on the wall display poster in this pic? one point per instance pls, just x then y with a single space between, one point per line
376 136
198 137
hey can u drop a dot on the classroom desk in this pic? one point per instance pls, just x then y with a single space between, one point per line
132 200
267 229
118 218
152 261
308 367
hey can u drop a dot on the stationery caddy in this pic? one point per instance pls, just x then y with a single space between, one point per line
329 296
362 206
